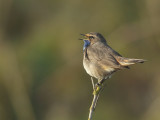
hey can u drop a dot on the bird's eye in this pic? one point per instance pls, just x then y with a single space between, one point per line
91 37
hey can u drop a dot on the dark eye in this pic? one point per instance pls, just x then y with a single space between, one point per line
91 37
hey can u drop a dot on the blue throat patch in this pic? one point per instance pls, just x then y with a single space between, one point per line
86 44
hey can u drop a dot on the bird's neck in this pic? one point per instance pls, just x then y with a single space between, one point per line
86 44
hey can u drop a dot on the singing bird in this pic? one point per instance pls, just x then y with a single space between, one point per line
100 60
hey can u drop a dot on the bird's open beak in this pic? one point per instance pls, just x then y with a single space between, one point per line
81 38
82 34
85 35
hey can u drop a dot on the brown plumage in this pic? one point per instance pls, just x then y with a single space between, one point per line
100 60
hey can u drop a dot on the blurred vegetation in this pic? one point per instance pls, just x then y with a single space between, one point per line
41 72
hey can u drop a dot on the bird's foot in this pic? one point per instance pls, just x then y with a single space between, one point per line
97 88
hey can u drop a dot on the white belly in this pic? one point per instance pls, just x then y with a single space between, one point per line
97 71
87 68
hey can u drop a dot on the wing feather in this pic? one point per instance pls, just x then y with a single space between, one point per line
103 55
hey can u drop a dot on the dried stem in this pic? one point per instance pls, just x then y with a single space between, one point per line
92 83
96 92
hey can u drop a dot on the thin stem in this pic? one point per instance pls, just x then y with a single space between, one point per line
92 83
92 108
96 92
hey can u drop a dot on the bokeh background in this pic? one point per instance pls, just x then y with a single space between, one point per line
41 72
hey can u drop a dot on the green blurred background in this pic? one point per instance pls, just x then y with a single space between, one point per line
41 72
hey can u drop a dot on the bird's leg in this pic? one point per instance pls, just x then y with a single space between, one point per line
98 86
101 81
97 89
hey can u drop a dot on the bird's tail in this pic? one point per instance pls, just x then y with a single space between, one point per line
130 61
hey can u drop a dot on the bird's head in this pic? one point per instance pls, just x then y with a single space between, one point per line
93 37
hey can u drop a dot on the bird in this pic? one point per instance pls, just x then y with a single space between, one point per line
99 60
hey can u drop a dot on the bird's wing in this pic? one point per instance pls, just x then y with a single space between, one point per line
101 54
113 52
118 57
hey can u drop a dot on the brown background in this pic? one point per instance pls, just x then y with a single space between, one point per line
41 72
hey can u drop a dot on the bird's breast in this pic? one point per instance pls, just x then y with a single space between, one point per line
97 70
